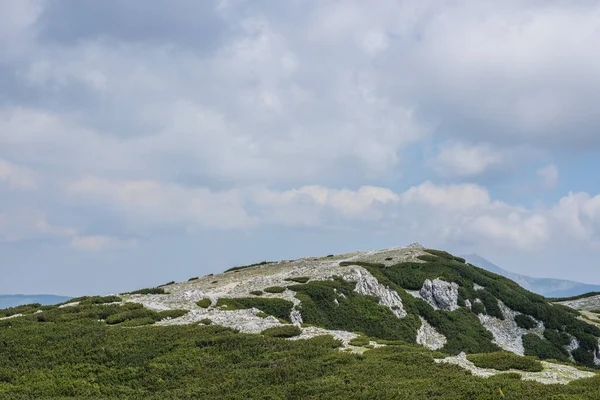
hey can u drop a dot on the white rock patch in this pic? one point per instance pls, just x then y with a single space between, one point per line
12 316
552 373
507 334
427 336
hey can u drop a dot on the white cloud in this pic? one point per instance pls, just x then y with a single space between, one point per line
153 202
463 197
549 175
99 242
23 224
16 176
458 159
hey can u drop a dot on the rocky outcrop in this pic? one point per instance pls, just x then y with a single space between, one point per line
427 336
367 284
552 373
507 334
440 294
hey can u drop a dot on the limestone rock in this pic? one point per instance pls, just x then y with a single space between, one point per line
440 294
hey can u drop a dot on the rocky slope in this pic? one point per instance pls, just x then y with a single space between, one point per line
405 293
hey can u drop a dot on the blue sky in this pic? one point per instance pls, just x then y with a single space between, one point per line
143 142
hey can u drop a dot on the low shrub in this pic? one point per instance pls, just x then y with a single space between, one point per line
170 314
155 290
257 292
262 314
477 307
525 321
167 284
206 321
101 300
195 278
504 361
275 289
204 303
359 341
298 279
249 266
285 331
279 308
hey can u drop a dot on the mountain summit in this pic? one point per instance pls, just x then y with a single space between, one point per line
422 304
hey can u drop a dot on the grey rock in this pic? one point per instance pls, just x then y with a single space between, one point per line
440 294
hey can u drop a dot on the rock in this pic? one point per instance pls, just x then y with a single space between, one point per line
440 294
468 304
427 336
367 284
296 317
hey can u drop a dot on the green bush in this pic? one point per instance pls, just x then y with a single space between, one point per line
578 297
279 308
544 349
249 266
101 300
205 321
285 331
504 361
359 341
525 321
195 278
257 292
298 279
275 289
155 290
477 307
204 303
167 284
170 314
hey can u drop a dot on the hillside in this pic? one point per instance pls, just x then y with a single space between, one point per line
548 287
13 300
384 324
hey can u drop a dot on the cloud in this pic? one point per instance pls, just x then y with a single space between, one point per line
549 175
23 224
98 243
16 176
458 159
154 202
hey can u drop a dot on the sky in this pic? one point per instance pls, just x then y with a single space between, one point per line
149 141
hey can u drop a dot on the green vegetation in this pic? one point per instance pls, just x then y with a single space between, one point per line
87 359
167 284
257 292
24 309
100 300
525 321
248 266
205 321
275 289
277 307
504 361
359 341
298 279
285 331
445 254
155 290
477 308
195 278
581 296
353 312
463 330
543 348
204 303
135 316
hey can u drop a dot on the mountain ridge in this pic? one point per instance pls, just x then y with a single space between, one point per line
548 287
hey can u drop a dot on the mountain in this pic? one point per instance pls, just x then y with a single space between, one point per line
402 322
13 300
545 286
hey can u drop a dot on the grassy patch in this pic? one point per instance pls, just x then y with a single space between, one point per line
285 331
504 361
257 292
359 341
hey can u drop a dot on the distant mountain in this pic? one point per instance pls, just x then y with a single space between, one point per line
547 287
13 300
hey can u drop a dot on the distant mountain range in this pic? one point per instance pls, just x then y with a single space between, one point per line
547 287
13 300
